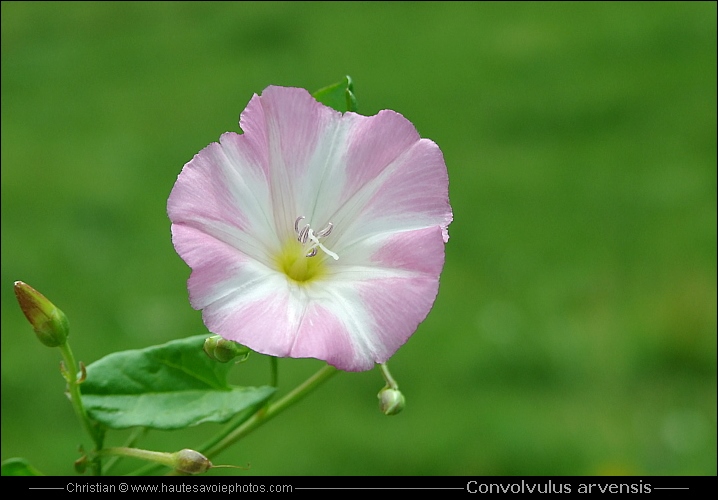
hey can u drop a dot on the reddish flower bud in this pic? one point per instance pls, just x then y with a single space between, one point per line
49 322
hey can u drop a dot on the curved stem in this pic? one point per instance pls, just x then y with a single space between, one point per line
390 382
244 426
267 413
70 374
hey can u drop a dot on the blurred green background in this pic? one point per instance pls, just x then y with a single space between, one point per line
575 328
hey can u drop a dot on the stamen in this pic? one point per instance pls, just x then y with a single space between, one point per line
317 244
323 233
296 224
302 236
306 233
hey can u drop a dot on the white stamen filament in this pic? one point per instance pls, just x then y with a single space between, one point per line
312 249
307 233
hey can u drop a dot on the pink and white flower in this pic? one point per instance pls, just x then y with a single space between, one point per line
314 233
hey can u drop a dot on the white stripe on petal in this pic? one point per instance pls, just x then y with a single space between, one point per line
374 191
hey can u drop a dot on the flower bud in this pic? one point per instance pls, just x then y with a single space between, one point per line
190 462
391 401
223 350
49 322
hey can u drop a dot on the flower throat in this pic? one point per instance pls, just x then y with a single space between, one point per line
296 258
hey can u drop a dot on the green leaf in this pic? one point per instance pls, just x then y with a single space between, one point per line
169 386
19 467
339 96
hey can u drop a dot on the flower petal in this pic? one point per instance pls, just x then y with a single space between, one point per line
394 282
384 189
393 181
223 191
218 268
301 136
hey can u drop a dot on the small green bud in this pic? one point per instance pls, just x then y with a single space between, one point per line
391 401
49 322
190 462
223 350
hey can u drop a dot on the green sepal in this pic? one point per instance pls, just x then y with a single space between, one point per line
339 96
170 386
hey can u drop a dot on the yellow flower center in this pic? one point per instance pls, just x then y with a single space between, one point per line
298 258
293 261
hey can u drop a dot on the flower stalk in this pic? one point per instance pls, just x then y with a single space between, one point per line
390 382
391 400
74 378
243 426
185 461
267 413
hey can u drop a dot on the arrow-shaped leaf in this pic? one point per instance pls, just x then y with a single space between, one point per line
169 386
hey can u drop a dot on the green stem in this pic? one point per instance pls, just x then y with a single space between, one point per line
267 413
134 437
238 420
159 457
243 426
70 373
390 382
